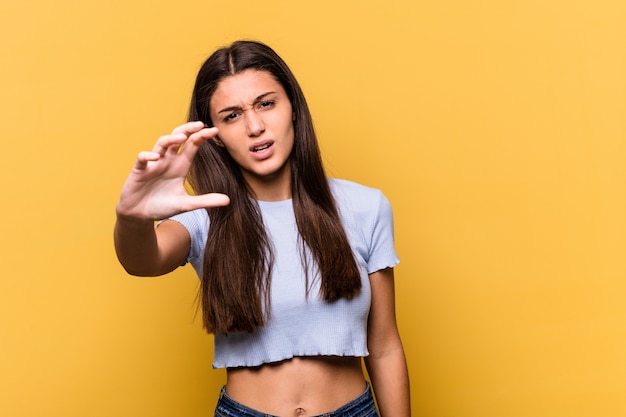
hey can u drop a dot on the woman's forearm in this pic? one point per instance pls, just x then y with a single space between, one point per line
390 381
136 245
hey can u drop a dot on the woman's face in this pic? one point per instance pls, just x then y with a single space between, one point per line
255 121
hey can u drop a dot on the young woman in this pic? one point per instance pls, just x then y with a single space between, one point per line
296 269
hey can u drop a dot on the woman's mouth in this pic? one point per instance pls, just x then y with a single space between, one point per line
261 148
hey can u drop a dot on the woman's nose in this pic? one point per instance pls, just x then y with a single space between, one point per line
254 124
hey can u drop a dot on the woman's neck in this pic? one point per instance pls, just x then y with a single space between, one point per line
275 187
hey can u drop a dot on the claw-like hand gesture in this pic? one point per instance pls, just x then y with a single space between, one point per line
155 188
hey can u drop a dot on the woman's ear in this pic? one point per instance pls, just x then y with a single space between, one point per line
218 142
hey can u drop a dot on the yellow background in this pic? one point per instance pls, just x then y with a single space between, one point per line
496 128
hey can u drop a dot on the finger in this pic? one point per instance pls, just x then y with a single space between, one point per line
195 140
169 142
193 202
203 135
189 128
144 157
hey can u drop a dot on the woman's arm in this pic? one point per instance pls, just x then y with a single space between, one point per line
155 190
144 251
386 363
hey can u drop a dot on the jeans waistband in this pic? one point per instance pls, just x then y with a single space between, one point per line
361 406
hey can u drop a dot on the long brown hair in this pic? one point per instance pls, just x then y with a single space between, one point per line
238 256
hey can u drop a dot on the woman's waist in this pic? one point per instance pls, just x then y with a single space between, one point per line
313 384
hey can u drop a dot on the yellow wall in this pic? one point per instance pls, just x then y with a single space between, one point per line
496 128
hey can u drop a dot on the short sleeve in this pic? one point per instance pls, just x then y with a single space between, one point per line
382 252
197 224
368 221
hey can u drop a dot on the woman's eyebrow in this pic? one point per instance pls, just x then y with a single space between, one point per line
256 100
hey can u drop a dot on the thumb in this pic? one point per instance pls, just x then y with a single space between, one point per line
206 201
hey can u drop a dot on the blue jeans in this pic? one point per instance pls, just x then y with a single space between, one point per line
361 406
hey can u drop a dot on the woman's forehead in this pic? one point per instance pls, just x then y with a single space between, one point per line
245 86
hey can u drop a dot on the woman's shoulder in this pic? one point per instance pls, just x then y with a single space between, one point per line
359 200
353 191
367 217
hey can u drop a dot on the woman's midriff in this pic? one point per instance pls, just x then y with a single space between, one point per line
302 386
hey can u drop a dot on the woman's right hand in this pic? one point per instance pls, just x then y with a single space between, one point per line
155 188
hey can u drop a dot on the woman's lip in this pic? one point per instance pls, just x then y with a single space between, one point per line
262 150
263 144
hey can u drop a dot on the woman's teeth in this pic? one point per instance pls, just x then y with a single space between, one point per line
261 148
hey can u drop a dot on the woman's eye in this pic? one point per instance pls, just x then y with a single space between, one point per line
266 104
230 117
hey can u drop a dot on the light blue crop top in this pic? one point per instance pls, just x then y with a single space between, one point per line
300 325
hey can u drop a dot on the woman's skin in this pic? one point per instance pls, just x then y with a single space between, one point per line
253 120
